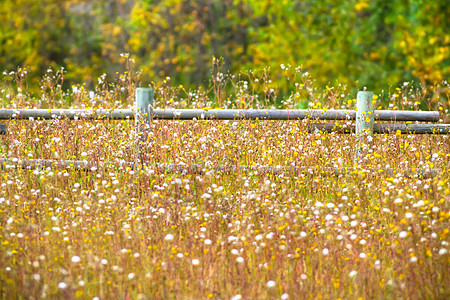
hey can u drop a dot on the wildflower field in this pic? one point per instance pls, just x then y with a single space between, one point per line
115 233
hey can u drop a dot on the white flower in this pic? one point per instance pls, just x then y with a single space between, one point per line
271 284
377 264
402 234
62 285
240 260
442 251
195 262
284 296
208 242
352 273
236 297
76 259
231 239
258 237
131 276
168 237
362 255
325 251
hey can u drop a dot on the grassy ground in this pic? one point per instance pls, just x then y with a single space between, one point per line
85 234
115 234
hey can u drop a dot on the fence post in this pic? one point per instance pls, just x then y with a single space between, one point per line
364 121
143 118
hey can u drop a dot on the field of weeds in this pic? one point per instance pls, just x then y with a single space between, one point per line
115 233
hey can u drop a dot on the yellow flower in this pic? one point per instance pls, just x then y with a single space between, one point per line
361 5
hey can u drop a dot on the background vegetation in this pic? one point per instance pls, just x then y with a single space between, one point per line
374 42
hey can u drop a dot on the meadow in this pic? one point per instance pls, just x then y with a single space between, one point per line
116 233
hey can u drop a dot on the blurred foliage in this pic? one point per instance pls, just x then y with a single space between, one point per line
367 43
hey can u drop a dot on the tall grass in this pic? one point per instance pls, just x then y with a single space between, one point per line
112 233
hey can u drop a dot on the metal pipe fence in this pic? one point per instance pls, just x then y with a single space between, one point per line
217 114
365 116
84 165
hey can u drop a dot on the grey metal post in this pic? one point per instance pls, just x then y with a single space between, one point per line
364 121
144 111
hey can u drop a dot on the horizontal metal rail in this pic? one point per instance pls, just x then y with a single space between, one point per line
71 114
203 169
219 114
381 128
292 114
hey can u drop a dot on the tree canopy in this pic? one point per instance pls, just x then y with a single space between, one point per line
375 42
